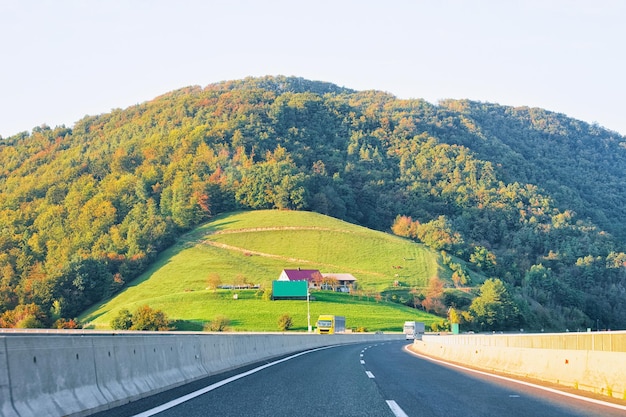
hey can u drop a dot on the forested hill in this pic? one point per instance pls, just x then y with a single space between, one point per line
527 196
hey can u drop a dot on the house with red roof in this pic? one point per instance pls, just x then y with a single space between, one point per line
310 275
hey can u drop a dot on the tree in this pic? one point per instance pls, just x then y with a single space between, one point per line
317 279
330 281
454 316
459 275
404 226
240 281
539 283
494 308
439 234
29 322
66 324
183 205
483 259
24 316
84 282
146 318
276 183
213 281
123 320
434 296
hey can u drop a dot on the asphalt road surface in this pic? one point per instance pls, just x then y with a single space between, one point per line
360 380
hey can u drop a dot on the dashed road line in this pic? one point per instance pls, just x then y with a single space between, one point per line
395 409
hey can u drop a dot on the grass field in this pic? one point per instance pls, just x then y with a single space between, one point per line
257 246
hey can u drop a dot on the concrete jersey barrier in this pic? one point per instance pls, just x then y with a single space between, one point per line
573 360
80 374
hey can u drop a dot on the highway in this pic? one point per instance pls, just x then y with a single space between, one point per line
359 380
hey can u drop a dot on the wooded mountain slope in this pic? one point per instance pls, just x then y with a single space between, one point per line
527 196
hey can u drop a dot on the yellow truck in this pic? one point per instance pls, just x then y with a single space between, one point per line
329 324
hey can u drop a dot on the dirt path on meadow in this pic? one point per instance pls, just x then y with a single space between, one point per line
249 252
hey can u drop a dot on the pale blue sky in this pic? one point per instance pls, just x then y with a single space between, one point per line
63 59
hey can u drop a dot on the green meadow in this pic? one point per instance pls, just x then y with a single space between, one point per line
254 247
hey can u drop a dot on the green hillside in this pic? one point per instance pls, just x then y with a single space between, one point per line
254 247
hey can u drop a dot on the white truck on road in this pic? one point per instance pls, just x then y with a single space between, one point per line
413 330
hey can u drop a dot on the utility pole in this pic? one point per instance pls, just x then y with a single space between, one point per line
308 309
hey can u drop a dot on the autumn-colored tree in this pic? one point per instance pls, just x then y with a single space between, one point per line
330 282
67 324
27 316
433 300
439 234
405 226
240 280
317 279
146 318
213 281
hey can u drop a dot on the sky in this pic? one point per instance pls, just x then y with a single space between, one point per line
61 60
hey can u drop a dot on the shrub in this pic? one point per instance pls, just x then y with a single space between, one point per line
67 324
29 322
123 320
146 318
440 326
27 316
285 322
219 324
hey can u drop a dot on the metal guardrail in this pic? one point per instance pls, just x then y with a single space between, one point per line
598 341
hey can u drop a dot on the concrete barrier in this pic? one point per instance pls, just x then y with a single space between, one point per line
77 374
51 375
599 371
6 403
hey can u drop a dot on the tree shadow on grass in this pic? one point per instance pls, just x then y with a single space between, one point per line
187 325
196 325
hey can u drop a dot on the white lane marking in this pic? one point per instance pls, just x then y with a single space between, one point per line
369 374
362 362
395 409
221 383
528 384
